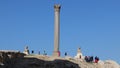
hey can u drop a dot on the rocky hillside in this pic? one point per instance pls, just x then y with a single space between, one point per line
38 63
51 62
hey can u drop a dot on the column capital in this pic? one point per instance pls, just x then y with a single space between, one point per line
57 7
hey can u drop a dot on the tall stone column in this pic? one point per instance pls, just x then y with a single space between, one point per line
56 52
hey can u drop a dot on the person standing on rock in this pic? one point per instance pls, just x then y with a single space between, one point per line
65 53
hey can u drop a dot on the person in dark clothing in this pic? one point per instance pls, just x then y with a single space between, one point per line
89 58
96 59
38 52
32 51
65 53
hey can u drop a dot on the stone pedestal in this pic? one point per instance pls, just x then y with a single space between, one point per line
56 53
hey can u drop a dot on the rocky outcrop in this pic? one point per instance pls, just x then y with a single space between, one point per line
51 62
38 63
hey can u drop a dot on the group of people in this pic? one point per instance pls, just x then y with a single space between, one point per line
44 53
91 59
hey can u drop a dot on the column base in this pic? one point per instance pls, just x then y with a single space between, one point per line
56 53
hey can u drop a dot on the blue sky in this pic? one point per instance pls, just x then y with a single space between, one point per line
93 25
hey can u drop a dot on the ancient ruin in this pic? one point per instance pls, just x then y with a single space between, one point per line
56 52
17 59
